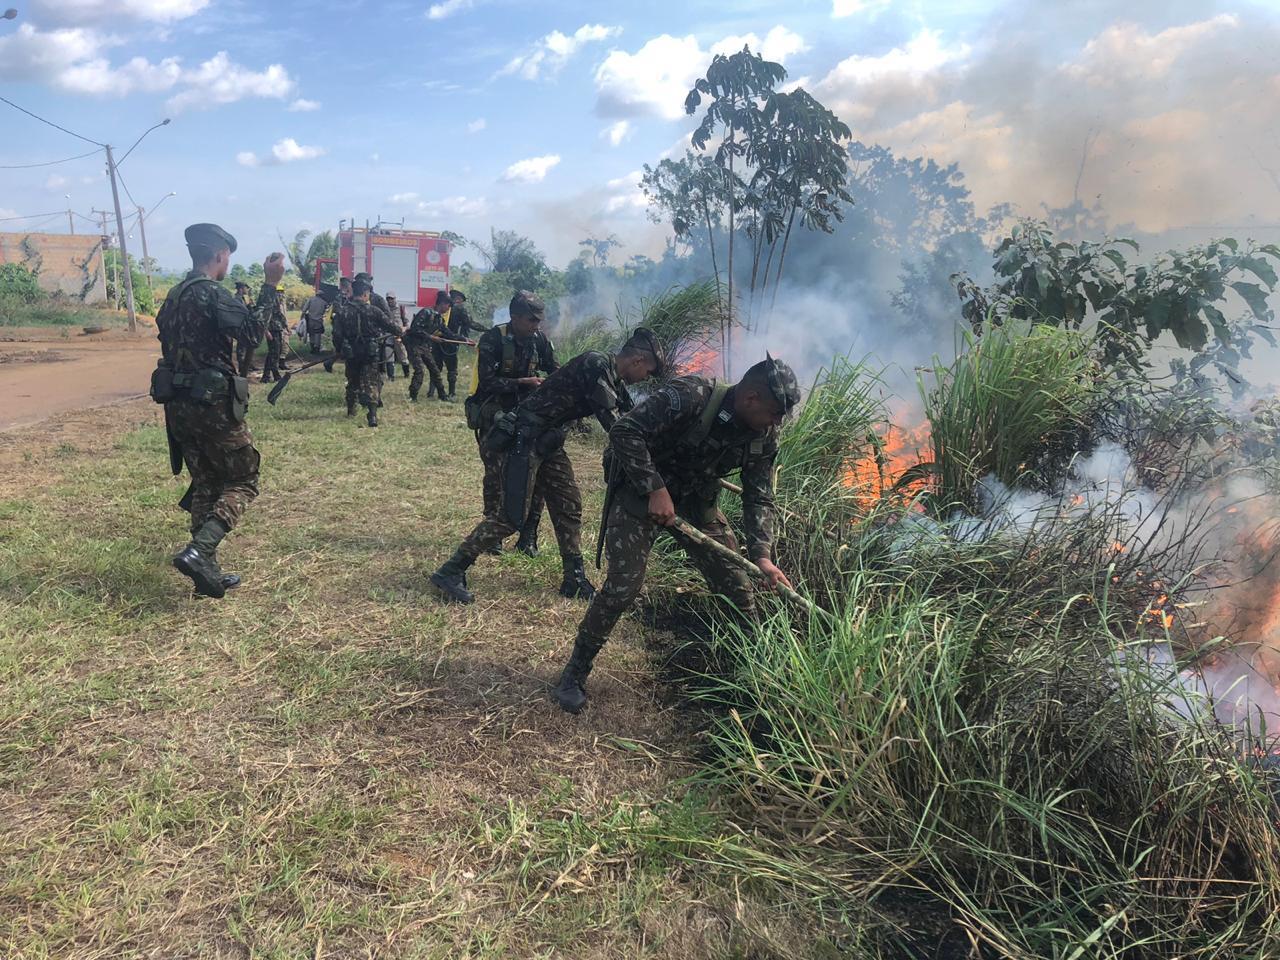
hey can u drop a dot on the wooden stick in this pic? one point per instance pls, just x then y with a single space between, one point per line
742 563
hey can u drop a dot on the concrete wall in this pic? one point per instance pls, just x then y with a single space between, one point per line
63 263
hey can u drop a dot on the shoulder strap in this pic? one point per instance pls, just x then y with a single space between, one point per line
697 434
174 299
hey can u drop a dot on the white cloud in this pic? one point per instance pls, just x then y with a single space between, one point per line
625 193
75 60
475 126
88 11
615 133
777 45
56 182
655 79
398 198
1125 52
908 77
847 8
438 11
532 170
219 81
302 105
553 51
287 150
455 207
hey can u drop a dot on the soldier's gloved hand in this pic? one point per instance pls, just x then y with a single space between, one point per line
273 267
661 510
773 576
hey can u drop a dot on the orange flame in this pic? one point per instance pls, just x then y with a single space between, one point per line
874 475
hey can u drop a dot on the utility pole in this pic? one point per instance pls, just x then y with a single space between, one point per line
71 224
115 261
146 265
124 251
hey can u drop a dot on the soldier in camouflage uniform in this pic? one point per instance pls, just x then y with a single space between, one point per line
339 305
251 336
205 401
277 334
459 323
427 324
666 459
534 458
508 358
364 328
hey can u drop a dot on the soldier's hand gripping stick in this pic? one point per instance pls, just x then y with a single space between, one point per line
735 558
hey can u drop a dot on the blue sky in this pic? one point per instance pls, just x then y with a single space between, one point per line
469 113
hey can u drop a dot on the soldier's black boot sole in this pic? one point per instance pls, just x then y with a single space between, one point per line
230 581
577 589
206 576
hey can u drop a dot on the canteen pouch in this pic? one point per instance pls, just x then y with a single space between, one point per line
471 407
239 399
162 389
208 385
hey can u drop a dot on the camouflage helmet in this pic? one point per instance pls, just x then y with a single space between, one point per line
527 304
782 383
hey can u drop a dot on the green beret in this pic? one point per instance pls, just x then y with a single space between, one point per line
209 235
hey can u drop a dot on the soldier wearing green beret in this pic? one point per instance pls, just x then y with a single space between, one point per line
205 400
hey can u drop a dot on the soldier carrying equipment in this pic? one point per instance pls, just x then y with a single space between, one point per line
206 402
669 454
528 444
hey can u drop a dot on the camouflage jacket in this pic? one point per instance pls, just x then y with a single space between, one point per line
427 323
199 321
661 444
365 322
588 385
502 359
336 319
272 310
460 325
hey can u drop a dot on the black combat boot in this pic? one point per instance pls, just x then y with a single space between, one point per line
575 585
405 368
351 408
571 693
451 579
372 417
328 365
528 540
413 395
197 559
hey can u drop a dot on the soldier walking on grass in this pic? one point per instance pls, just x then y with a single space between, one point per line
339 306
530 443
205 402
508 358
251 336
426 327
313 316
277 334
665 460
364 330
458 321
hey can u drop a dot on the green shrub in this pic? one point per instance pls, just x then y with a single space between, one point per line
18 284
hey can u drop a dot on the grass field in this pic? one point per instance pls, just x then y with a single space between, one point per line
328 763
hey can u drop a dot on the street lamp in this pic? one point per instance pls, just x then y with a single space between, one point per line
142 229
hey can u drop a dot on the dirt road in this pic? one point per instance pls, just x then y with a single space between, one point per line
49 370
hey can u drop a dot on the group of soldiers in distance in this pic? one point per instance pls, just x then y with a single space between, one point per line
664 461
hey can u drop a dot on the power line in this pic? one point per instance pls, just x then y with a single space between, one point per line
127 193
47 163
33 216
50 123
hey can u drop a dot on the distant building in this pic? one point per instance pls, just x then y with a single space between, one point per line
63 263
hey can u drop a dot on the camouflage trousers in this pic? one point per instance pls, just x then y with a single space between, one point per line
554 485
220 456
244 356
364 383
628 540
447 360
421 360
492 487
275 347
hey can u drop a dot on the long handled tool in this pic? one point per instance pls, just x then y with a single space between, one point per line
278 389
742 563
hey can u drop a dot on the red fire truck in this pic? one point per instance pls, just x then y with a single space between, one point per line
412 264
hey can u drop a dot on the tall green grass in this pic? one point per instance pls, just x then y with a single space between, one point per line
1013 405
